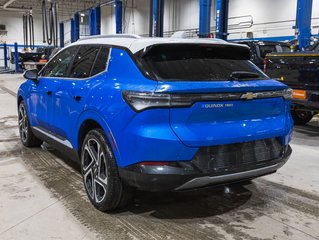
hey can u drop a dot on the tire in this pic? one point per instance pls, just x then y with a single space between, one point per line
301 117
101 179
27 137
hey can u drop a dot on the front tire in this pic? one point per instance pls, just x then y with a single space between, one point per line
301 117
27 137
103 185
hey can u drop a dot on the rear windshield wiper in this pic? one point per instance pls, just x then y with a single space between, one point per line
243 75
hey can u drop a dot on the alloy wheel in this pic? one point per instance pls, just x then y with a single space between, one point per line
95 170
23 123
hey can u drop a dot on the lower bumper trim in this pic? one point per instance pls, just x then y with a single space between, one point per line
207 180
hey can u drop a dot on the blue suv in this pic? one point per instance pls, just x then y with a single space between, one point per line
157 114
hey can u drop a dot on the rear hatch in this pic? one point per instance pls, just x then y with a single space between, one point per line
217 96
298 70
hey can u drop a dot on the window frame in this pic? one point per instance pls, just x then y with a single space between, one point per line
93 62
107 62
72 61
55 56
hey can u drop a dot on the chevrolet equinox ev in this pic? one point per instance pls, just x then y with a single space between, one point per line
157 114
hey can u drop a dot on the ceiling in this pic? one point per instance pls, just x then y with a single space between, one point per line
66 8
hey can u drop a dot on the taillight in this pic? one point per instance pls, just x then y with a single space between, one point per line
140 101
265 64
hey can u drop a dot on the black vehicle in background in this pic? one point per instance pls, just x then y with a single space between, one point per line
300 71
259 49
42 54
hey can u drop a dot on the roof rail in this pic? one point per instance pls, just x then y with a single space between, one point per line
111 36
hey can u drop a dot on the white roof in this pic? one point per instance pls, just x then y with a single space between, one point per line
136 43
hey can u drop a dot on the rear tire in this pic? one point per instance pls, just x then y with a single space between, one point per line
102 182
27 137
301 117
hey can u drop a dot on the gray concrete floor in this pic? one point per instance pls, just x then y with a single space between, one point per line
42 196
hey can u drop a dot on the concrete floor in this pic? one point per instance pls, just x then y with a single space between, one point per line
42 196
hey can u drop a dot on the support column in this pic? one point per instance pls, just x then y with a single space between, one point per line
222 19
16 57
204 18
61 34
158 17
5 55
72 30
118 16
151 19
303 23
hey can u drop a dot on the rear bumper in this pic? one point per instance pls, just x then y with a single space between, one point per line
186 175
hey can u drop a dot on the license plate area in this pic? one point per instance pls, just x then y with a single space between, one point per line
237 156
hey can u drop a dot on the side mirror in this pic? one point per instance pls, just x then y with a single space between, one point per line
32 75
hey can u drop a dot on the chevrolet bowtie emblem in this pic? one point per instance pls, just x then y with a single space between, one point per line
249 95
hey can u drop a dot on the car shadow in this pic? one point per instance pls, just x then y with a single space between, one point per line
206 202
200 203
309 130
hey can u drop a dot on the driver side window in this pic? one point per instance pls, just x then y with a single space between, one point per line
59 66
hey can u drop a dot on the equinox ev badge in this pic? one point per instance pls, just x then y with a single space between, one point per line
217 105
249 95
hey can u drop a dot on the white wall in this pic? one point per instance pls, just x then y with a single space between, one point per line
107 20
136 19
14 24
180 15
265 11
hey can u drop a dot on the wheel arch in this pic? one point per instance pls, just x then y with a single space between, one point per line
89 120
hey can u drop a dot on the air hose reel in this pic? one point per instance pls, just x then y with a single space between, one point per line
50 23
28 30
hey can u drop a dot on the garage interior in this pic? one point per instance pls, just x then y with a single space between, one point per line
41 190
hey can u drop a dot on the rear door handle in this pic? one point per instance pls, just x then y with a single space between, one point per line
77 98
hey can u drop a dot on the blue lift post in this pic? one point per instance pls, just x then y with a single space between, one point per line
16 57
76 26
90 21
118 16
222 19
5 55
61 34
303 23
97 21
158 18
204 18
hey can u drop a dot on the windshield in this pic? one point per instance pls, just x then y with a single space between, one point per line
198 62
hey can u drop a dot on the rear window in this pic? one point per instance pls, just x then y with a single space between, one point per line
196 62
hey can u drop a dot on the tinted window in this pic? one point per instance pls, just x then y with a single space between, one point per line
83 62
59 65
265 49
101 60
284 48
196 62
